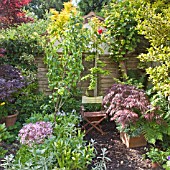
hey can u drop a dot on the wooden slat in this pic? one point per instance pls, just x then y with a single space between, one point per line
97 99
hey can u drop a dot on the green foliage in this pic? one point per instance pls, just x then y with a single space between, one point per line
156 30
162 102
157 155
13 132
92 5
22 44
40 7
121 26
166 165
92 107
2 152
154 131
72 103
95 47
29 103
135 78
121 35
4 134
66 149
24 39
36 117
163 130
64 69
3 110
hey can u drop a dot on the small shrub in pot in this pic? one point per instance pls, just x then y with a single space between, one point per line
11 82
129 107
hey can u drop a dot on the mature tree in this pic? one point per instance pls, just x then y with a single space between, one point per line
92 5
11 12
39 7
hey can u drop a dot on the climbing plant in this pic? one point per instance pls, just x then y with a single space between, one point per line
122 35
95 47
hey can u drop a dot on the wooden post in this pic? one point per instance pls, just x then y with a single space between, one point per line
95 64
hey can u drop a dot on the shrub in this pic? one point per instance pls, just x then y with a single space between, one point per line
29 103
133 113
11 81
156 61
126 98
128 106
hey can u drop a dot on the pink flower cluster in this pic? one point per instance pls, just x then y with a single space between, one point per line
125 116
126 103
35 133
125 97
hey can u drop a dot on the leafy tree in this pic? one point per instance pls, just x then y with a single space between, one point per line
39 7
122 35
11 12
64 69
155 26
92 5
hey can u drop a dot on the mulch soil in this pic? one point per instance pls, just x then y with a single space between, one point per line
122 158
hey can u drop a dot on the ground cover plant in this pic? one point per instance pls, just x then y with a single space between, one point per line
61 145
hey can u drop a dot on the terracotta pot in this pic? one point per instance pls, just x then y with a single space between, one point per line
10 120
133 142
155 165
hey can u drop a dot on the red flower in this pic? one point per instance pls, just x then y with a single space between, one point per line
100 31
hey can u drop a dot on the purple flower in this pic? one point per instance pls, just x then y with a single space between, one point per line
168 157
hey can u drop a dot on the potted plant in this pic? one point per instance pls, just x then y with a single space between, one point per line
157 157
128 107
11 82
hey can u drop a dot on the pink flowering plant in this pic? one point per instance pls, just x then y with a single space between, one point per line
35 133
129 107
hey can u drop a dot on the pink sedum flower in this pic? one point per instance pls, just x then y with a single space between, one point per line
35 133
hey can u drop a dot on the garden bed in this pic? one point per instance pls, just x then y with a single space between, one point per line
122 158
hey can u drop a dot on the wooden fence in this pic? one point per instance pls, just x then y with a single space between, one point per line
104 81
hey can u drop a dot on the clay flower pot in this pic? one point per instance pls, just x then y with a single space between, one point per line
133 142
155 165
10 120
